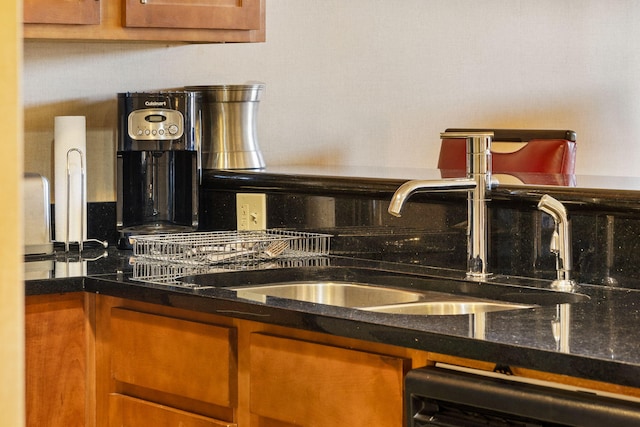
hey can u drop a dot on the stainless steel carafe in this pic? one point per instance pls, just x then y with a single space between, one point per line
229 126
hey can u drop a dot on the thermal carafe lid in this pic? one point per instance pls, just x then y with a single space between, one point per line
229 93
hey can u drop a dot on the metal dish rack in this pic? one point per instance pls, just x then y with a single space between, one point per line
218 247
164 258
170 274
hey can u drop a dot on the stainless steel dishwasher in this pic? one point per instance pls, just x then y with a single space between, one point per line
446 397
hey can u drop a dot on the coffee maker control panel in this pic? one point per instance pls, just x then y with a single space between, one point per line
155 124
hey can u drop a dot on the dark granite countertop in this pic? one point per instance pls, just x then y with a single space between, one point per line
599 341
602 329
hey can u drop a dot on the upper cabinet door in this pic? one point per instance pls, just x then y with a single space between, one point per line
62 11
216 21
195 14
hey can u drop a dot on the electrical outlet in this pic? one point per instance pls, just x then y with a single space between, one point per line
251 211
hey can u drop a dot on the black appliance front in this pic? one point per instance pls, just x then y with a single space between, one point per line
436 396
157 163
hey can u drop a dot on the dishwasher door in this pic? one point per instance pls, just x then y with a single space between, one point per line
436 396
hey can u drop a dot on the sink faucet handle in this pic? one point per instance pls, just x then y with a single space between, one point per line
478 157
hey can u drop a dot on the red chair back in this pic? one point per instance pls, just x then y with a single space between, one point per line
550 156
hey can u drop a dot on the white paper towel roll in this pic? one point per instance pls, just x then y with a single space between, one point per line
69 134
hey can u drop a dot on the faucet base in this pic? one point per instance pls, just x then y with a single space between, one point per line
477 277
564 285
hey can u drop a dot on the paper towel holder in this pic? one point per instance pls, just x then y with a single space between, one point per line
83 201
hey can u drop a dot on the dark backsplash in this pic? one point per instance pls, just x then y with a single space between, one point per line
101 221
606 245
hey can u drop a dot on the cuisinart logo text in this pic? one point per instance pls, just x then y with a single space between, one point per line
155 103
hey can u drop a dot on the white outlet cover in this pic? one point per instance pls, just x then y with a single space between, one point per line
251 211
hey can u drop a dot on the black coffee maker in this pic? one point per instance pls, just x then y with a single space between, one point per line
157 163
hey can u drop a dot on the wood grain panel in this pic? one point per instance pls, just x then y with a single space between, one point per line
315 385
190 359
204 14
112 27
127 411
62 12
56 360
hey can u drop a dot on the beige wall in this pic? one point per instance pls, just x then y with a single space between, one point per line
373 82
11 284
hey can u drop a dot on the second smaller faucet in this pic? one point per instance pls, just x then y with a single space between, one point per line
560 242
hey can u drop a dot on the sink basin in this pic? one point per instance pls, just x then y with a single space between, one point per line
383 291
342 294
375 298
447 308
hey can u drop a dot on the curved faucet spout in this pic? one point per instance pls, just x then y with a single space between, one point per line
477 184
553 207
410 187
560 241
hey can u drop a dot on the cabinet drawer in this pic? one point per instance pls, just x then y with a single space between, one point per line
127 411
77 12
181 357
209 14
316 385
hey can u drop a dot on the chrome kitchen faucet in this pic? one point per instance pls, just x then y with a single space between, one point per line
560 242
477 184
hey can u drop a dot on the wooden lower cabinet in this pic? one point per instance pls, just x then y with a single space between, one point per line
169 367
163 365
127 411
94 360
58 358
190 359
314 385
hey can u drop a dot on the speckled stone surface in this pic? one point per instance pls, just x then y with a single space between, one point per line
423 250
601 327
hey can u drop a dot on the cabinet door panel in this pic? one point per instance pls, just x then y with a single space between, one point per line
61 11
316 385
56 360
190 359
205 14
131 412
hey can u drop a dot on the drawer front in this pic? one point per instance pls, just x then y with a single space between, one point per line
210 14
316 385
127 411
181 357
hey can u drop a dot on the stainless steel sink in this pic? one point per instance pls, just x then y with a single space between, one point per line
375 298
447 308
386 291
342 294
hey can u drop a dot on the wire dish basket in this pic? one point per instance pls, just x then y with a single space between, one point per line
172 274
222 247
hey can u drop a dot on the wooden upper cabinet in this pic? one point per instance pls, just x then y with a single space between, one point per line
199 21
83 12
206 14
